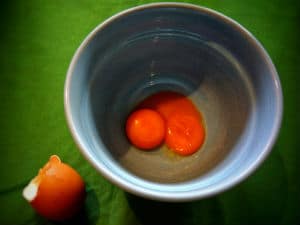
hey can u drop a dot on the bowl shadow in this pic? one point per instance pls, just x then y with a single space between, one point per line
206 211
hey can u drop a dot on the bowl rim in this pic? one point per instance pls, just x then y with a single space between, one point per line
155 194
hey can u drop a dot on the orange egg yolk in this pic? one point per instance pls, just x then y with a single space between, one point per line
145 128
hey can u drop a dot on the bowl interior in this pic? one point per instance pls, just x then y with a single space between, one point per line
179 63
198 53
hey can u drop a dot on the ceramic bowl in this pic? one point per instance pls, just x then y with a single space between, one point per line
191 50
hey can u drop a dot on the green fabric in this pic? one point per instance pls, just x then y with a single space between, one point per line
38 39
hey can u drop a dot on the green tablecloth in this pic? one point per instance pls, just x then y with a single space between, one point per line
38 39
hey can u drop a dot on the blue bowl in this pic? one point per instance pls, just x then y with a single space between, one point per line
191 50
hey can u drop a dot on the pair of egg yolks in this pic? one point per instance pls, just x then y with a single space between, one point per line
167 117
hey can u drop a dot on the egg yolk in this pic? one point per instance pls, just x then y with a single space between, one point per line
184 134
145 129
57 192
184 129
